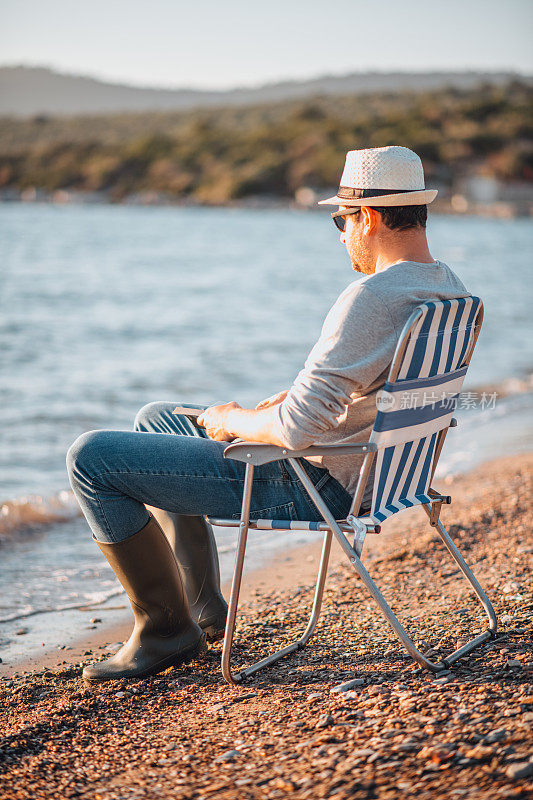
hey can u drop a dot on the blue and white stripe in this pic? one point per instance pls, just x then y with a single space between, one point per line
441 338
419 404
415 408
284 525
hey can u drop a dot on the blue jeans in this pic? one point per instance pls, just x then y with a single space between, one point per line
169 463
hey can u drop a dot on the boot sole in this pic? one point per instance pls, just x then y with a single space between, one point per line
171 661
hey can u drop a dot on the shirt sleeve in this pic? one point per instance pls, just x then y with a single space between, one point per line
355 346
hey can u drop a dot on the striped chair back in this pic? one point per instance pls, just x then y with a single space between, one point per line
418 400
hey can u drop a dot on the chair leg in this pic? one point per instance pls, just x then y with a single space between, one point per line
474 583
234 600
237 577
371 587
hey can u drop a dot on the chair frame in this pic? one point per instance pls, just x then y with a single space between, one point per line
254 454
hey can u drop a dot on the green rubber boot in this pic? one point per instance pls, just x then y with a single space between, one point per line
164 634
194 546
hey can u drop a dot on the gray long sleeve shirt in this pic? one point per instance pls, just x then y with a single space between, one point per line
333 399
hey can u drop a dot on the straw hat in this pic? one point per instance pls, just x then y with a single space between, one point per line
382 176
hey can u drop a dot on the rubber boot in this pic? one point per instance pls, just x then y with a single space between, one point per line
164 633
194 546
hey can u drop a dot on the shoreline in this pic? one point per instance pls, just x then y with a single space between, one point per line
455 205
284 570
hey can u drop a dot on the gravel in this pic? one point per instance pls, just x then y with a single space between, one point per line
296 730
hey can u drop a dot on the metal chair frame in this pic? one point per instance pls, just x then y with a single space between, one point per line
255 454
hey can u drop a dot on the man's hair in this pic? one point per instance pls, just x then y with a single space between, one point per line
401 218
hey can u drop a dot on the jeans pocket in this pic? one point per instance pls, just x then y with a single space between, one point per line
285 511
336 498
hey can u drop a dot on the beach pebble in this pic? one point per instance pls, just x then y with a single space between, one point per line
314 696
21 631
351 695
496 736
522 769
480 753
363 752
121 695
229 755
324 721
94 620
347 685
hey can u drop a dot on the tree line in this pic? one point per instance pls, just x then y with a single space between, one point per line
225 154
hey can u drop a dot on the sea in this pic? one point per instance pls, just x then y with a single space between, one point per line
105 308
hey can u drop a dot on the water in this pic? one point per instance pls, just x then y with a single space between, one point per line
105 308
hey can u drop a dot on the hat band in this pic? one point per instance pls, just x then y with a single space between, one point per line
347 193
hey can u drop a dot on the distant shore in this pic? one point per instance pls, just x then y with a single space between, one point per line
399 730
457 205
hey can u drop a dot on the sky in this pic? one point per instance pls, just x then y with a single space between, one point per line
229 43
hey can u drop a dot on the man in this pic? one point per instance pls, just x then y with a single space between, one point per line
382 211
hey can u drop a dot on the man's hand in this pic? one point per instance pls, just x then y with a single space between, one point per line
214 420
230 421
274 400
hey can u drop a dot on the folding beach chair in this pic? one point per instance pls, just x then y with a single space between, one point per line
414 412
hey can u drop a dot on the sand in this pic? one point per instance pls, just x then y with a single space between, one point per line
398 732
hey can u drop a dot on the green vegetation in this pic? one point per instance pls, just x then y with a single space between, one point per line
217 155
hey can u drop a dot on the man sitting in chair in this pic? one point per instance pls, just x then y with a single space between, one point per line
177 469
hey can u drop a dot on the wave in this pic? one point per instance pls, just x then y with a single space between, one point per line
99 599
27 513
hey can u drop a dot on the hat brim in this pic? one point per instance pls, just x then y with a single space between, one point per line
419 198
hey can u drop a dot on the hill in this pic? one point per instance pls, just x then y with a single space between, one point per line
224 154
25 91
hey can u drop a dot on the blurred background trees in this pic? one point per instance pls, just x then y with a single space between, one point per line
220 155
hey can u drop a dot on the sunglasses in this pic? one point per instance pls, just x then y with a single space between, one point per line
338 218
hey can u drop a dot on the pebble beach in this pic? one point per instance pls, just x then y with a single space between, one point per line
350 716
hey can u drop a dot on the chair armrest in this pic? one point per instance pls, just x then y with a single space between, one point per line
258 453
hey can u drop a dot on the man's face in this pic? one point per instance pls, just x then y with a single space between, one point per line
357 243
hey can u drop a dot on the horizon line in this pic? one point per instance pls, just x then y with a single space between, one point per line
269 83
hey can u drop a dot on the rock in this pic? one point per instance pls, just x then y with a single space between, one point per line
21 631
121 695
94 620
229 755
496 736
347 685
514 663
521 769
324 721
314 696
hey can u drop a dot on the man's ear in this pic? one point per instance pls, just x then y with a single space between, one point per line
370 220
